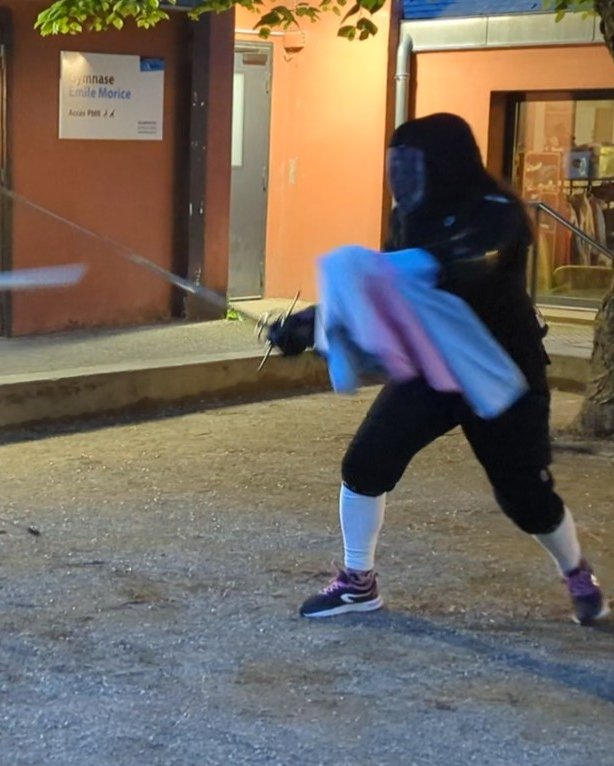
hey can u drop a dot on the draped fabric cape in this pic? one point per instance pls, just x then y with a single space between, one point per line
384 312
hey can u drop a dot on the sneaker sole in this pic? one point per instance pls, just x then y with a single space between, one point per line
365 606
605 611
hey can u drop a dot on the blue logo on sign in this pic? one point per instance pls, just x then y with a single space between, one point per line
152 65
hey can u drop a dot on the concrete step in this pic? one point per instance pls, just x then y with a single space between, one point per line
81 375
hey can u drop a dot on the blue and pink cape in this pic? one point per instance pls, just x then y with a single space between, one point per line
384 312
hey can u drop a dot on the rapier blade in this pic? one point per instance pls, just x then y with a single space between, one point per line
122 250
50 276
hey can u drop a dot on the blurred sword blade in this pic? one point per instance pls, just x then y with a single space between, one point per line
49 276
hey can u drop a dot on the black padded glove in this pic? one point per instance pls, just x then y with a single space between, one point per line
295 333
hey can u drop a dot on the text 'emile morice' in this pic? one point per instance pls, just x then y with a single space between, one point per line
82 86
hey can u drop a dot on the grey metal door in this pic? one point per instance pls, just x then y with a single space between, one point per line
250 163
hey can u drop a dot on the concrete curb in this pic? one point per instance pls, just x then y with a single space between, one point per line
27 400
70 394
569 373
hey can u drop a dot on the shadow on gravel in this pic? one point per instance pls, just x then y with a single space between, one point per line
574 675
136 415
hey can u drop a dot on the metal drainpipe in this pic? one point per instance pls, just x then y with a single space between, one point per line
401 78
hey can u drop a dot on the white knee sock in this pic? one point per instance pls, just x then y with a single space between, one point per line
361 519
562 544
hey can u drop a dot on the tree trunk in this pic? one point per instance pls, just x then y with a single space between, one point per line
596 418
605 9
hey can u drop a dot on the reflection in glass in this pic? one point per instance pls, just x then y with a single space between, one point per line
564 157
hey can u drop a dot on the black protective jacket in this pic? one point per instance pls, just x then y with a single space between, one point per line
491 277
479 232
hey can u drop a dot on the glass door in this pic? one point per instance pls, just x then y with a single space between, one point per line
563 156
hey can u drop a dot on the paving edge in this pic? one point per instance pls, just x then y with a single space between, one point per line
569 373
81 394
73 394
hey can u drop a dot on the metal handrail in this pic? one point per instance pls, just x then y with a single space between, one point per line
542 206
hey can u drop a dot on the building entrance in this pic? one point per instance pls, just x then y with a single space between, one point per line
563 156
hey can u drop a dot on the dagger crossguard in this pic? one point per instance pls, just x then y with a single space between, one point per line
266 320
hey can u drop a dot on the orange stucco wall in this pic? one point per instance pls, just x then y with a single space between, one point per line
463 81
121 189
327 149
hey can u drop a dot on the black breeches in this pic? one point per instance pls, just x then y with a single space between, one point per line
514 449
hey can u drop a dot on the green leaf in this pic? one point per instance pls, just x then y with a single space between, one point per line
352 12
234 316
348 31
76 16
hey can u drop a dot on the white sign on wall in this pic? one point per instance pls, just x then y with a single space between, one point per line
113 97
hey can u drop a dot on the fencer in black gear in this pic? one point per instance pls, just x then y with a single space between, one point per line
448 204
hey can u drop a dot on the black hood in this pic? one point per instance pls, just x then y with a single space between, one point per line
454 172
447 202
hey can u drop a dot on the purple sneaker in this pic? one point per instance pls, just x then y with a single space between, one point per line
344 593
588 601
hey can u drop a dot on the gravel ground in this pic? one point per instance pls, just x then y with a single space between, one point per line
152 621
